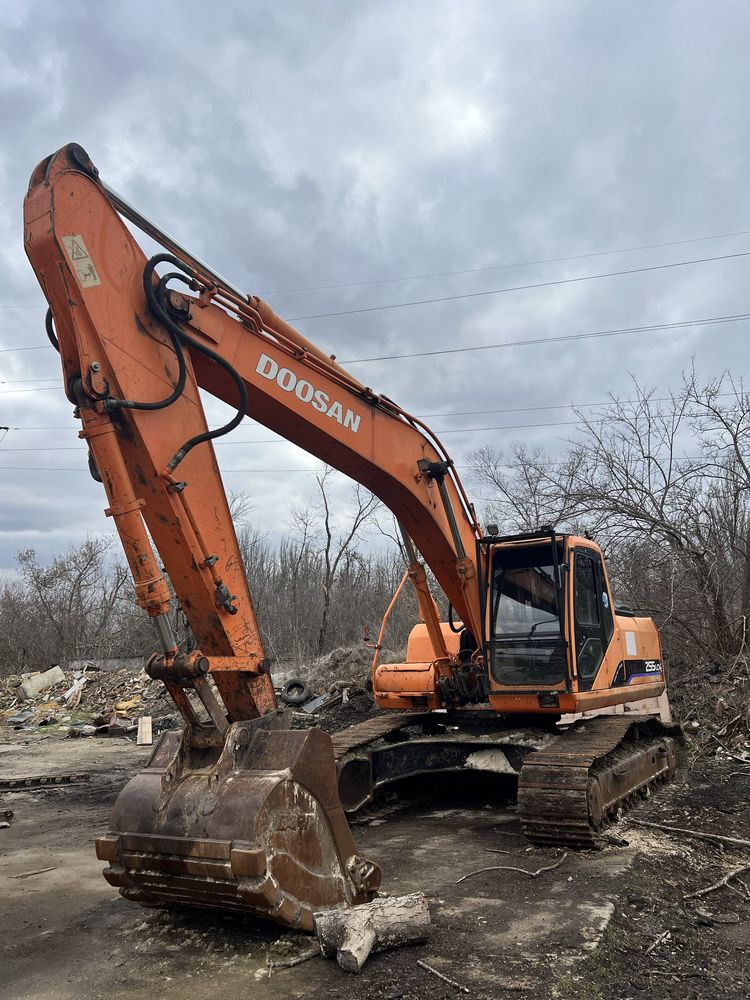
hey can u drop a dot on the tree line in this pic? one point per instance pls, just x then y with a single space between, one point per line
323 586
662 483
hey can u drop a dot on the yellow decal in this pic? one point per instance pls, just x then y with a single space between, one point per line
82 264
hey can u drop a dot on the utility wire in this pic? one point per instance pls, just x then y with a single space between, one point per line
476 270
249 472
490 291
456 430
39 468
439 431
653 328
454 413
619 332
16 381
39 388
503 267
519 288
555 406
12 350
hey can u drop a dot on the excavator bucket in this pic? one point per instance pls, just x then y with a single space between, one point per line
254 825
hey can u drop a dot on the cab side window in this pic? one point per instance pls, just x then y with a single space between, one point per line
593 618
586 597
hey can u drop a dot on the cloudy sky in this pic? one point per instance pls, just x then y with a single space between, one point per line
329 155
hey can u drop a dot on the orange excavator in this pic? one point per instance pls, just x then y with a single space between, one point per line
238 810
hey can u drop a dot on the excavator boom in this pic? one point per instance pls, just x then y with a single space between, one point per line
238 811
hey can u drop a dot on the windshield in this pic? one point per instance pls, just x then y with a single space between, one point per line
526 644
526 601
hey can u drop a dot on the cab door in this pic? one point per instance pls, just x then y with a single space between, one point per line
592 612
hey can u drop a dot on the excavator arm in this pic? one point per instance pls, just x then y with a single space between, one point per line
136 346
117 351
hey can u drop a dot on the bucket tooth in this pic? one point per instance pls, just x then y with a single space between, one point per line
249 823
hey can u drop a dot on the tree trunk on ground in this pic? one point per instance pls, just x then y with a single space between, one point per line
351 933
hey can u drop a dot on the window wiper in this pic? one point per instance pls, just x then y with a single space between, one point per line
548 621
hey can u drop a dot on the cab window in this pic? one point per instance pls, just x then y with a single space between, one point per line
526 645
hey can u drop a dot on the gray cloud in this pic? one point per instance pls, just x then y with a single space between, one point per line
296 144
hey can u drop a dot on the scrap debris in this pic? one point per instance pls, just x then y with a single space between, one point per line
34 684
93 701
144 737
88 700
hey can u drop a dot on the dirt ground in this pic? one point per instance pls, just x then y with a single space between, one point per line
582 930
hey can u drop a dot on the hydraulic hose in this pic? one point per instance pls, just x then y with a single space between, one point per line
49 326
226 428
155 297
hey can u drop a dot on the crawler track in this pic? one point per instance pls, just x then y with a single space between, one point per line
42 781
569 791
363 733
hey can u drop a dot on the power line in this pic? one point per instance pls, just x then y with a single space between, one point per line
439 431
12 350
454 413
710 321
459 430
39 388
474 270
38 468
18 381
308 472
503 267
525 409
513 427
519 288
619 332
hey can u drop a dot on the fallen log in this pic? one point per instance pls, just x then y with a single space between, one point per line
351 933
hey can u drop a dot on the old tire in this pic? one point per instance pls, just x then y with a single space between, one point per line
295 693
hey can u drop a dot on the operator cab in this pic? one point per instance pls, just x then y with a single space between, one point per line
549 615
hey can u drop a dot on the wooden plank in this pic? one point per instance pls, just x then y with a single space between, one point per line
144 737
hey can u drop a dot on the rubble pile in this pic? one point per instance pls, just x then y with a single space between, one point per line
332 691
84 702
344 676
351 664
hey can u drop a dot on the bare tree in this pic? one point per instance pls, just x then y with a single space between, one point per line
81 604
338 545
664 486
528 490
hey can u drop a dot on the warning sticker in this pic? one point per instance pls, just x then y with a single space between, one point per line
82 263
630 644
